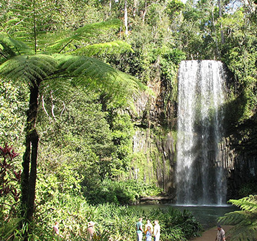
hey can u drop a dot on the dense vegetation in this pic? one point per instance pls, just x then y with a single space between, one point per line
70 72
244 220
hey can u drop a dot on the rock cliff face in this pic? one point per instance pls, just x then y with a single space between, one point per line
155 143
241 160
155 138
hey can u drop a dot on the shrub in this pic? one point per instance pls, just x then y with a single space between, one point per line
118 192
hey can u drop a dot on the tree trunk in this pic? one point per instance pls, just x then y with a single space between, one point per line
28 184
126 17
220 15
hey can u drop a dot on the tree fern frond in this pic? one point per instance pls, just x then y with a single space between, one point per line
104 48
242 233
10 47
247 203
28 68
233 217
84 33
95 74
93 29
245 221
61 87
89 67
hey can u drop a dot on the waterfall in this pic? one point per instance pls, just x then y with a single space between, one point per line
200 176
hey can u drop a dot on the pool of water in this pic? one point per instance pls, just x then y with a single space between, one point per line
206 215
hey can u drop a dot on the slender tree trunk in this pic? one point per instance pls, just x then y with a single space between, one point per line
220 15
28 184
144 12
217 55
126 17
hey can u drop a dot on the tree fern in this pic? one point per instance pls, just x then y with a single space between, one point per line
246 203
104 48
244 221
81 36
28 68
10 47
42 67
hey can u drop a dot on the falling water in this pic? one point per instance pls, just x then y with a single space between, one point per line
200 175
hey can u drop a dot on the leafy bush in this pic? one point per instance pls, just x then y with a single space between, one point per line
112 222
247 189
177 225
118 192
59 199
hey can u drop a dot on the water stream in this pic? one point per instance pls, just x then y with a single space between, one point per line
200 176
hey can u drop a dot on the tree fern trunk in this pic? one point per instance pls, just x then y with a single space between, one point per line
29 164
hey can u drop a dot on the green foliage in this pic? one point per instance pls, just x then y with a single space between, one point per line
169 62
240 56
179 225
34 69
104 48
244 221
174 7
19 17
12 108
76 42
118 192
10 178
113 222
247 189
9 229
85 136
28 68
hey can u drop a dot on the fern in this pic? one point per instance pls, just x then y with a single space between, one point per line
83 34
28 68
44 69
95 74
244 221
7 229
246 203
103 48
10 47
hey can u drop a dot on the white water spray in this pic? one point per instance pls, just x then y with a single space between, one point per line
199 175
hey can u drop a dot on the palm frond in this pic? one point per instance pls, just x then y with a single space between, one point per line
104 48
28 68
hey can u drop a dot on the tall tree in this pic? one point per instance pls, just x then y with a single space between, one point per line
40 71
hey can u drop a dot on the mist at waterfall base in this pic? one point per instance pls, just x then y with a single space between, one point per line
200 176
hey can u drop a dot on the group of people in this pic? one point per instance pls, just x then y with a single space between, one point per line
90 230
149 230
